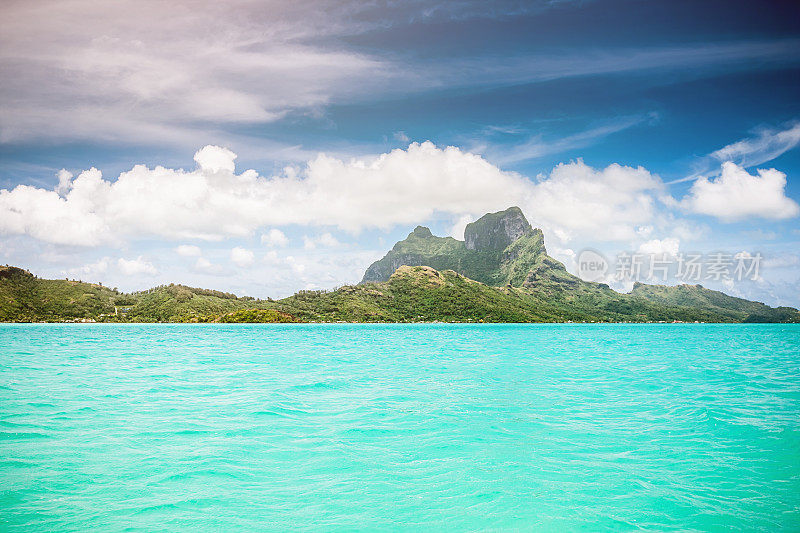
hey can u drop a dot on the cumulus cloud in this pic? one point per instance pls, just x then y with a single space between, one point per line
274 237
64 182
213 202
765 145
127 267
89 271
668 246
736 194
609 204
44 215
460 225
211 159
188 250
138 266
242 257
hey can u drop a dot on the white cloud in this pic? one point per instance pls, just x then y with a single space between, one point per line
736 194
212 202
188 250
212 159
608 204
565 255
460 225
242 257
148 71
765 146
90 271
272 258
44 215
64 182
536 147
274 237
117 82
659 247
132 267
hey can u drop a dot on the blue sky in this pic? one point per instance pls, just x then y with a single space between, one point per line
609 123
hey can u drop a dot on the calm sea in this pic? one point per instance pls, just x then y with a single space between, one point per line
399 427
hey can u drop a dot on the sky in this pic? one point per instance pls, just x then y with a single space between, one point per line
266 147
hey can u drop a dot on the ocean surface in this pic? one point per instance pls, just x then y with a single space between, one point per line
399 427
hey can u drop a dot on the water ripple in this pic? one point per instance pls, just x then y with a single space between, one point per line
399 427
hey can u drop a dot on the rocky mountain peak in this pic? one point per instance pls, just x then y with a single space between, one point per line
421 231
496 231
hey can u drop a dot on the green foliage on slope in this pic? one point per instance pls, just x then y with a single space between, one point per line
260 316
500 273
501 249
420 293
415 294
719 303
412 294
26 298
178 303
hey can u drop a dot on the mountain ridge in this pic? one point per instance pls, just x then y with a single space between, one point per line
497 249
501 272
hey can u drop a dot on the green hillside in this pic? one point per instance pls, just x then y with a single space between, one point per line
415 294
500 273
178 303
26 298
422 294
697 296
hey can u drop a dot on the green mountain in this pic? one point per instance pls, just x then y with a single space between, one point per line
502 250
421 293
498 249
500 272
719 303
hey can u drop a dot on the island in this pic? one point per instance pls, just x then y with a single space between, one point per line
500 272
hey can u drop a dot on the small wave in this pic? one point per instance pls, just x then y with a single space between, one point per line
11 463
321 385
20 435
173 506
281 412
194 474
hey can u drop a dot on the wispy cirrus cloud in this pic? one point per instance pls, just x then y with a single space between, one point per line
766 145
537 146
152 72
762 147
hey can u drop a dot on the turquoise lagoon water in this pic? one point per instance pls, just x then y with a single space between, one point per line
399 427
